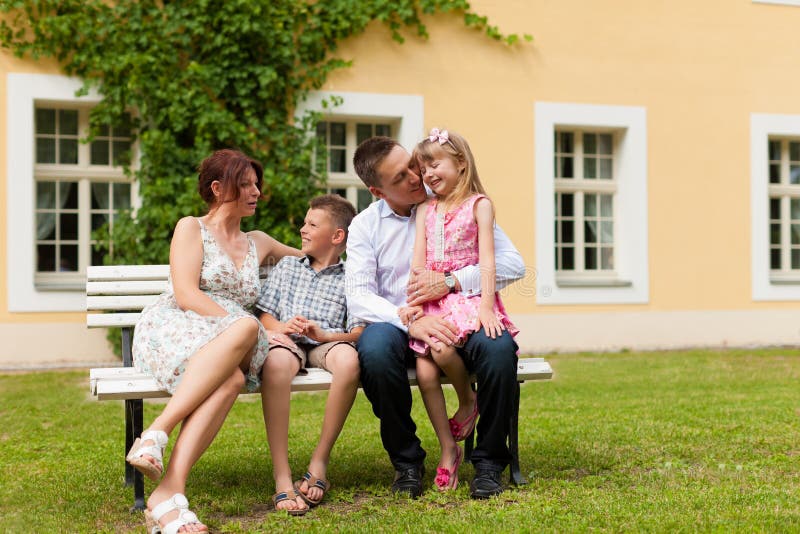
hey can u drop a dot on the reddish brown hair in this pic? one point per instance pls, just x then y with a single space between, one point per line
228 167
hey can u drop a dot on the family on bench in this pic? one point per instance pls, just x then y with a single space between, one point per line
365 323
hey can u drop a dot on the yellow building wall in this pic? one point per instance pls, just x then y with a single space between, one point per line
698 68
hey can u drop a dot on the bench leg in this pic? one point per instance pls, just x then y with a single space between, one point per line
513 443
133 429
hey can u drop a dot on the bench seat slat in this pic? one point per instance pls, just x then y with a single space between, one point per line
127 383
111 320
119 302
126 287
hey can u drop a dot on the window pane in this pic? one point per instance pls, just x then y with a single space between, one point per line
322 130
607 258
604 144
774 208
68 229
69 258
122 131
590 205
364 199
567 204
794 174
795 259
775 234
68 121
363 131
794 208
606 209
68 151
794 151
590 231
338 158
97 256
795 234
606 232
100 152
774 173
605 169
565 142
589 168
775 150
122 196
100 195
337 134
98 220
383 129
68 195
568 258
46 195
45 258
567 232
590 258
45 150
121 152
775 258
45 121
46 226
566 168
590 143
103 130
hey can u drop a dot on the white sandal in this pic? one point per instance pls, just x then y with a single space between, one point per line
156 451
185 516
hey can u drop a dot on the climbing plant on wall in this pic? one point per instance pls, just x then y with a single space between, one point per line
196 75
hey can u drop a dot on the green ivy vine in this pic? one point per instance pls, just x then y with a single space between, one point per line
199 75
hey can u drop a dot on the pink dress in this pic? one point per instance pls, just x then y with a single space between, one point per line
452 243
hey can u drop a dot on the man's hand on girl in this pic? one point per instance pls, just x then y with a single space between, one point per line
409 314
425 285
433 330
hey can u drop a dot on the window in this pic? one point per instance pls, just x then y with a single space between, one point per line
78 189
775 206
584 205
591 204
341 139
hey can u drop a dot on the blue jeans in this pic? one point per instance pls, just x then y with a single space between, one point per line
384 356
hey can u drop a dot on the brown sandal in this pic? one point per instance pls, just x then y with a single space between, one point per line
290 495
312 481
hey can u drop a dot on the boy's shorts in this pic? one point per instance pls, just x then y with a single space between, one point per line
311 355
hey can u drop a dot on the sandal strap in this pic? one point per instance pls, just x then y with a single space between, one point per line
318 482
159 439
185 517
176 502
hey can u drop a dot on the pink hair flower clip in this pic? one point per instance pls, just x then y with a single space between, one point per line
441 136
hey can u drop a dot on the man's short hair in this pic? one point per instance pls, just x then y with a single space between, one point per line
339 209
369 155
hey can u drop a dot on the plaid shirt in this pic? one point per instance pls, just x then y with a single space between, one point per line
294 288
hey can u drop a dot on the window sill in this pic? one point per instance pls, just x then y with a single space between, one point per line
783 281
593 283
60 286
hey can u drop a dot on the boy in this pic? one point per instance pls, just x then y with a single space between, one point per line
303 306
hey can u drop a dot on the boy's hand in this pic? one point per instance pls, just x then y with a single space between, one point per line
315 332
295 325
490 323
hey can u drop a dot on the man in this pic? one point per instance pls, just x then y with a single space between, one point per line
378 281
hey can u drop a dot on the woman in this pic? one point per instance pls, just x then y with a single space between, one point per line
199 340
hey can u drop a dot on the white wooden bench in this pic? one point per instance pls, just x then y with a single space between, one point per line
115 296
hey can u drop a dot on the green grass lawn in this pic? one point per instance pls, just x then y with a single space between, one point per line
670 441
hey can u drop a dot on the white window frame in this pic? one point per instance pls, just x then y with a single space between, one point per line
631 284
24 91
349 180
765 286
778 2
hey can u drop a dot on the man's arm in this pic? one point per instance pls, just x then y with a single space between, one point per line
427 285
361 281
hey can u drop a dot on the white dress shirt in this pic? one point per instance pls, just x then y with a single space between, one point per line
380 246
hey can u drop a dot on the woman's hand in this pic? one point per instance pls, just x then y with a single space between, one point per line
280 339
490 323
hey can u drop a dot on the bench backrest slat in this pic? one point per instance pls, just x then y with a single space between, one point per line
126 287
106 273
119 302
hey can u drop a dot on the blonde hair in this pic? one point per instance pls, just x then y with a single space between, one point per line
457 148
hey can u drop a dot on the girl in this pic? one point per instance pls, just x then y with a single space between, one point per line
454 229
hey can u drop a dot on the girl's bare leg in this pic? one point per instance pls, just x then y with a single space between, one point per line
453 366
430 388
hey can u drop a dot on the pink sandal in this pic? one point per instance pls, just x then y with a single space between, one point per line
447 479
460 431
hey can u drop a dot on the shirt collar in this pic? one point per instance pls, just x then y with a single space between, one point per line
385 211
336 267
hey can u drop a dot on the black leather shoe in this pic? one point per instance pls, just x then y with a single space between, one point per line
409 481
485 484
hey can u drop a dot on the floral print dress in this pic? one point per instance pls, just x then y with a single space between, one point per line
167 336
452 243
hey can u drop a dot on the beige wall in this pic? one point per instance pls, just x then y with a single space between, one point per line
699 69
